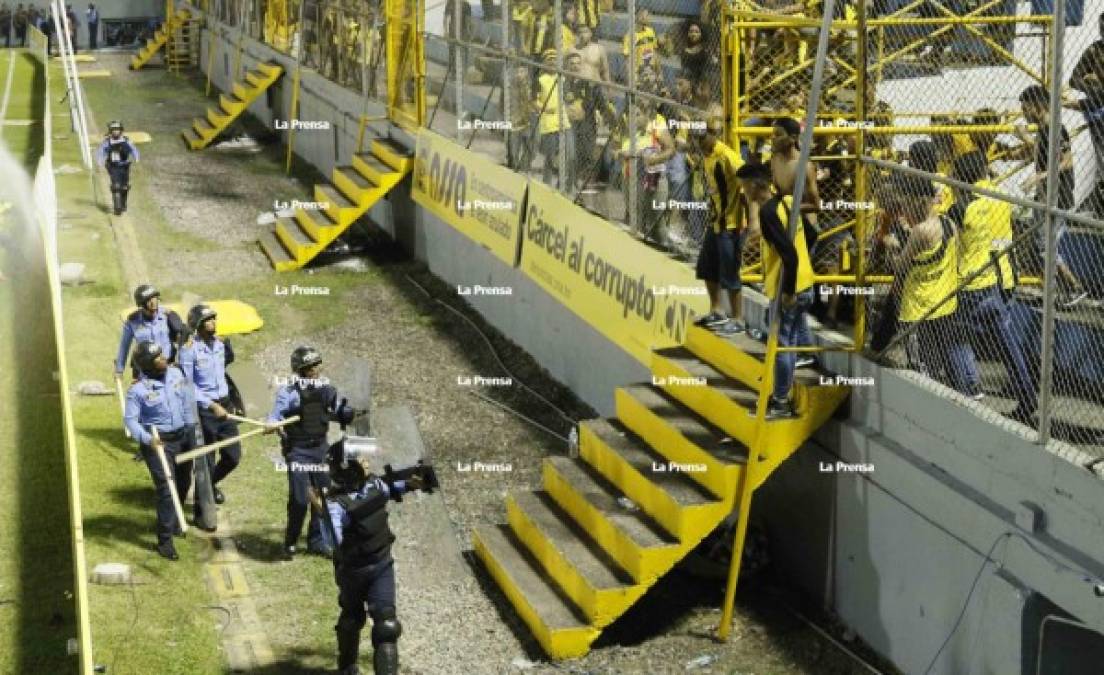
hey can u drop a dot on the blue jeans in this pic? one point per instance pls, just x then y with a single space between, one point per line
985 312
792 330
945 351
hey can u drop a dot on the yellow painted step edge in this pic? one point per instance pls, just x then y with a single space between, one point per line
720 478
643 565
559 644
601 607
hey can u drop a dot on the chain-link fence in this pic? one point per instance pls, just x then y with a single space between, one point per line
596 97
605 99
988 210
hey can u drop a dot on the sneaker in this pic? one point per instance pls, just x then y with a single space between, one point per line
777 410
711 319
219 497
289 552
805 361
1075 298
730 327
756 334
977 396
167 550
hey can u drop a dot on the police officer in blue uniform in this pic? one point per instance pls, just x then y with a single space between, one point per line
315 401
204 359
116 154
364 569
149 323
162 397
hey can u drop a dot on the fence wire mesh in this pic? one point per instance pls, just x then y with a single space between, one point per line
604 99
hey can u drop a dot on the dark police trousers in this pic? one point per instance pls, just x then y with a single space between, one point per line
120 184
372 584
175 443
214 430
299 482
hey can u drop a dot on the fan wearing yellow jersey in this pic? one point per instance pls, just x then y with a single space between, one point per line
985 269
928 270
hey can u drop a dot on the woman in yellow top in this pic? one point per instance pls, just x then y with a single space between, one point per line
788 271
927 270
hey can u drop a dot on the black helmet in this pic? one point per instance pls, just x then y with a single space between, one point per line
145 354
199 314
144 294
114 124
304 357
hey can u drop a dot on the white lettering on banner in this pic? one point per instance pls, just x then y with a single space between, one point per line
606 276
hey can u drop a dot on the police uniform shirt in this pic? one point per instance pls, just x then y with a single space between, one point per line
340 517
138 327
205 364
115 151
287 402
168 404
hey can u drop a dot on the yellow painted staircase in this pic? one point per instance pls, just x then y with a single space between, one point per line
647 488
293 242
205 130
160 38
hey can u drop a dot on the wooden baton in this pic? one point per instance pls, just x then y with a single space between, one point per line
160 450
122 400
211 447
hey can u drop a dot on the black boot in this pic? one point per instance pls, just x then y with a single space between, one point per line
124 192
348 648
117 201
386 659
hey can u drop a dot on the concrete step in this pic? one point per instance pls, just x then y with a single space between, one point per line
578 565
636 542
393 153
351 182
319 223
281 260
741 357
555 622
662 488
335 204
372 167
298 242
681 435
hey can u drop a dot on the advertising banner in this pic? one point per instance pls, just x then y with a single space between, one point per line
634 295
477 197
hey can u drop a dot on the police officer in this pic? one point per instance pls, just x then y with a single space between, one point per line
364 569
204 359
315 401
162 397
117 153
149 323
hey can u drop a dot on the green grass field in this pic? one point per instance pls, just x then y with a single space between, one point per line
36 569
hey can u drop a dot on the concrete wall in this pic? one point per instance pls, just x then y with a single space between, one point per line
894 553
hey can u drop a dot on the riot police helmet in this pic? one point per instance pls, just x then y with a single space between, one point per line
303 358
115 125
144 293
199 315
146 355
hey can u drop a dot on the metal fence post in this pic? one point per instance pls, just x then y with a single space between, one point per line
631 216
454 38
507 82
1054 142
561 152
